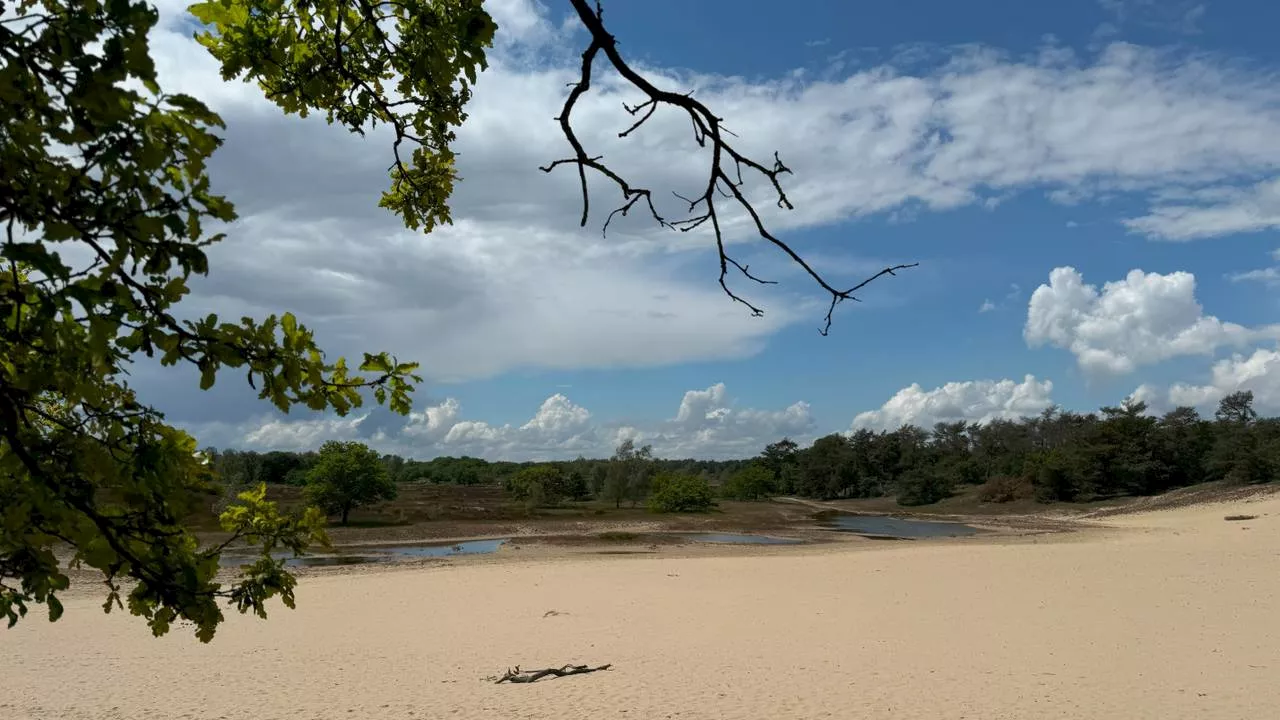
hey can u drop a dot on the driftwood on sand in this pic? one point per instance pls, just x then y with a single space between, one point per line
517 675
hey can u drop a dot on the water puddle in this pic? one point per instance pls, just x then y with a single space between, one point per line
738 539
884 527
470 547
386 553
331 560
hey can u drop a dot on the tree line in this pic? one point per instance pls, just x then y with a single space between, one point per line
1059 455
1056 456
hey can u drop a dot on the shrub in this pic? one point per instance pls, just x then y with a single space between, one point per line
680 493
1005 488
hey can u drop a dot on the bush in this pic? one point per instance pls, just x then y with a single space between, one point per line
1005 488
680 493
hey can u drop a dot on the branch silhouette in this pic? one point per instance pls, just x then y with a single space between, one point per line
724 177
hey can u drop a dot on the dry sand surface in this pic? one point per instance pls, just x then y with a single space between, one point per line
1163 615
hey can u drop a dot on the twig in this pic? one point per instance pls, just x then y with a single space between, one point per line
516 675
724 178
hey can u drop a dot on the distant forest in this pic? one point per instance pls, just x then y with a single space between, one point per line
1056 456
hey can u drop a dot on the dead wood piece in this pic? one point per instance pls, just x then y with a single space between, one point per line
516 675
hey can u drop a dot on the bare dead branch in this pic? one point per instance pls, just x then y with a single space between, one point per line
516 675
724 178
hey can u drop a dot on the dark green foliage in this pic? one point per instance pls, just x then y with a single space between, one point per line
750 483
1056 456
347 475
779 459
680 493
924 485
106 198
540 485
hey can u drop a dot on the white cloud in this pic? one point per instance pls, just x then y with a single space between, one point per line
1150 395
516 284
1259 372
1269 276
280 434
1141 320
1180 16
1014 293
1216 211
706 425
973 400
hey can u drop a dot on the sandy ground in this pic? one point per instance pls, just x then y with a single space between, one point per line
1162 615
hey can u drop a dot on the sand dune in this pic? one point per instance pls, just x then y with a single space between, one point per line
1162 615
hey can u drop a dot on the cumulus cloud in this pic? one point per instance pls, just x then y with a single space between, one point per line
1143 319
706 424
1258 372
977 401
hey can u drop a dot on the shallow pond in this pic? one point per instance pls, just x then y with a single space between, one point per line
738 539
470 547
386 553
882 526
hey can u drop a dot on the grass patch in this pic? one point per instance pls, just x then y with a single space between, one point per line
618 536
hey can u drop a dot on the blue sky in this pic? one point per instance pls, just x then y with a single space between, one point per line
997 143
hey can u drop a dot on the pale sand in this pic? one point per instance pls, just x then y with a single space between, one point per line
1164 615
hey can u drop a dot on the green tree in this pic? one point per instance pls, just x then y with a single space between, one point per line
750 483
545 483
348 475
779 459
673 493
629 473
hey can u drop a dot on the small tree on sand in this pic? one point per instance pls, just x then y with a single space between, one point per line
348 475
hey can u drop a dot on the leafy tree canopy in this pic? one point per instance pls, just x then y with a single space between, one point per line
675 492
347 475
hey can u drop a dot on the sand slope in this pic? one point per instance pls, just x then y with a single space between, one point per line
1163 615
